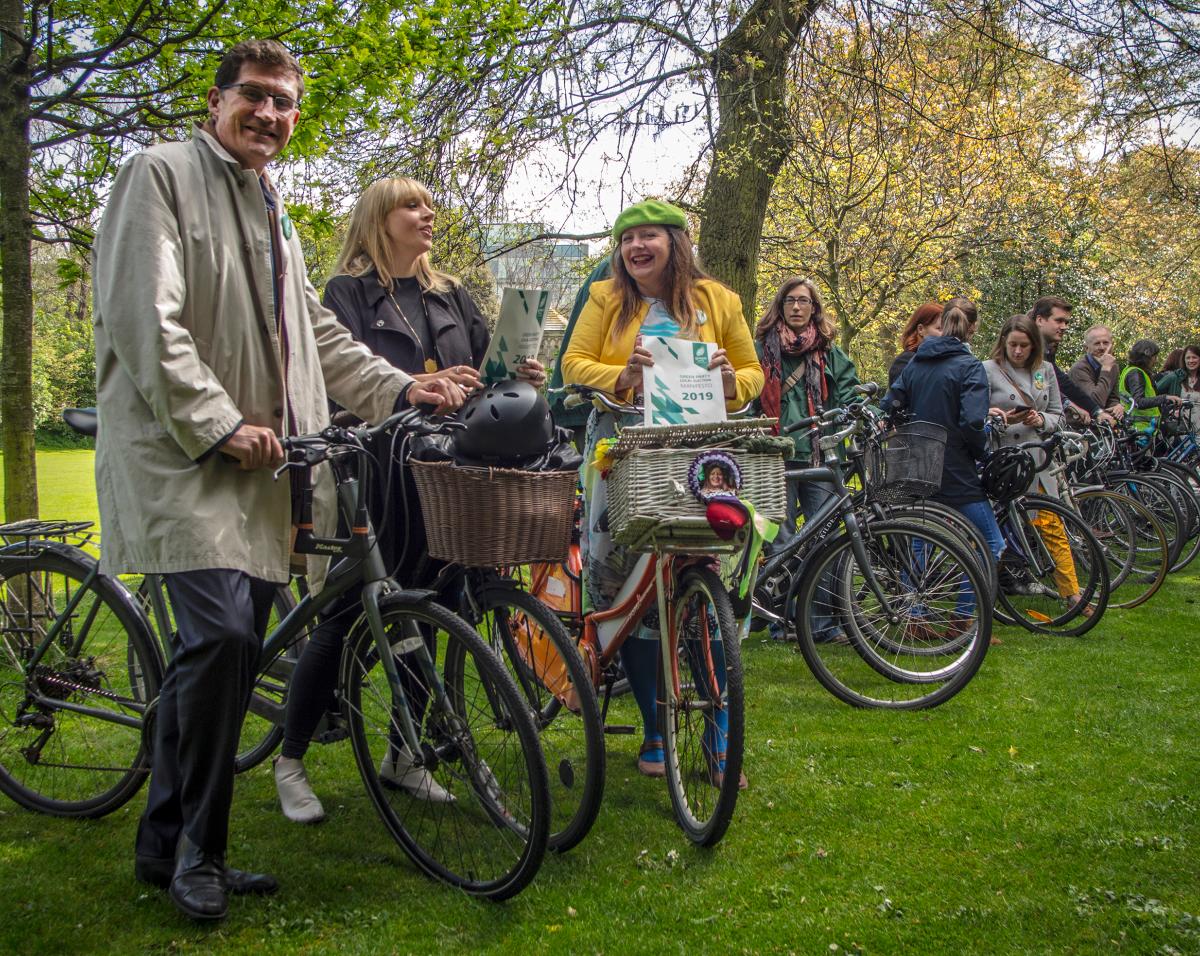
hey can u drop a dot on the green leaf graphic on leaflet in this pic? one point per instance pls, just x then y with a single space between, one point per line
666 411
495 371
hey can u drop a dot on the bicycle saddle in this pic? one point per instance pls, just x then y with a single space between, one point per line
83 420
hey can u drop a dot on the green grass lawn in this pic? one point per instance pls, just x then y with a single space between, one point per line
66 484
1051 807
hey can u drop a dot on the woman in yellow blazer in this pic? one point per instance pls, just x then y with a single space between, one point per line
657 289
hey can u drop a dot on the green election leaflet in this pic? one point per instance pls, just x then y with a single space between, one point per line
518 334
679 388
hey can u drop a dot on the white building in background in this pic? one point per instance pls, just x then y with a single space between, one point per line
559 265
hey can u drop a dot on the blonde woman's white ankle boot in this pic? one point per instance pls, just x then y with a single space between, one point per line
300 804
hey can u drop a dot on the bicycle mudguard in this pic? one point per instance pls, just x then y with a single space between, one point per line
37 546
33 550
411 595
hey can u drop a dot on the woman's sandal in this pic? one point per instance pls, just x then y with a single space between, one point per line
717 779
716 776
1087 610
652 768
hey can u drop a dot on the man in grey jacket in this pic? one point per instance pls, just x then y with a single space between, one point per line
211 345
1097 370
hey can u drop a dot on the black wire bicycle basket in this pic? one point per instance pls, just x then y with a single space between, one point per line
908 465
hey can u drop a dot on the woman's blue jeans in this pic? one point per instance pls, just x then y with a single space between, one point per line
980 514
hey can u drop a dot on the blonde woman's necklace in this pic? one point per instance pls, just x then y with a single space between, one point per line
429 363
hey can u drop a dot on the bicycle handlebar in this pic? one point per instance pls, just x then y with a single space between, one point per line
853 413
315 448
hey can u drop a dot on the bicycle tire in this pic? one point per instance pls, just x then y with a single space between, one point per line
1185 498
1043 611
943 566
943 518
886 661
549 671
1159 503
1133 541
703 691
58 761
477 741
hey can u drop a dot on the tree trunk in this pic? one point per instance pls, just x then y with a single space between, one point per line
752 141
16 234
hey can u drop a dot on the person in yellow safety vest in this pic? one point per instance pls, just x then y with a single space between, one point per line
1137 383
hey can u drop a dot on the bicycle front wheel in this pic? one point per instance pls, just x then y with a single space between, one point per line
915 609
470 805
562 699
1052 557
71 707
703 720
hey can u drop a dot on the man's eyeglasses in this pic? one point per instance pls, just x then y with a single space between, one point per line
256 94
791 300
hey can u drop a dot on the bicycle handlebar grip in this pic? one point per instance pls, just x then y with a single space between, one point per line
803 423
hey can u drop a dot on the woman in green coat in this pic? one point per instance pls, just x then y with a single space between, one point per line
806 374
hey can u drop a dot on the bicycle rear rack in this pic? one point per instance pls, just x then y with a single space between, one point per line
36 529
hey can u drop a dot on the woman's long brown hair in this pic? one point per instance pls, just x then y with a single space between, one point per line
682 275
774 311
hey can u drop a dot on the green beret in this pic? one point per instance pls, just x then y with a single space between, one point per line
649 212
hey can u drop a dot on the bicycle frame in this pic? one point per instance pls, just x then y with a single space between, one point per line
361 563
15 553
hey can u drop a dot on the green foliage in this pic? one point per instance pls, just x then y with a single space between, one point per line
363 69
64 371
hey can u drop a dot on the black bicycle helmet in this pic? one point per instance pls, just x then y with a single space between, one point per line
1008 473
508 422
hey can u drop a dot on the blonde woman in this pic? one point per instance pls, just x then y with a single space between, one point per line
389 295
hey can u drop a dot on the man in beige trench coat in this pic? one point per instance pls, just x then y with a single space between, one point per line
210 345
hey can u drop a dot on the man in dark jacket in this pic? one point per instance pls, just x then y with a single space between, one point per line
1053 316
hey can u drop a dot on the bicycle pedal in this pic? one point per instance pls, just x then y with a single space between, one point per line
620 729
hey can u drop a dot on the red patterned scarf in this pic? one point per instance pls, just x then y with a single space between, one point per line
809 344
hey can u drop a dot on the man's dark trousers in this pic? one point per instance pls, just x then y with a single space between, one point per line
220 616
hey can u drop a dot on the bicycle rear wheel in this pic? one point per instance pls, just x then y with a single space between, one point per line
550 673
71 728
703 720
1133 542
477 746
916 611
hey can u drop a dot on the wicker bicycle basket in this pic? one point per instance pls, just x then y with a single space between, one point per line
483 517
911 463
651 507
